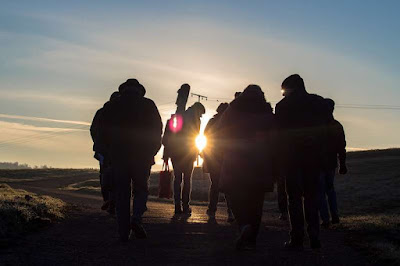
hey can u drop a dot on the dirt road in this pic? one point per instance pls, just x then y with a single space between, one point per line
89 236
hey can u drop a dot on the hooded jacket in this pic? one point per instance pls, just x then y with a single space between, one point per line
246 142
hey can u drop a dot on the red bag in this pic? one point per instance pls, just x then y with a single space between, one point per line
164 188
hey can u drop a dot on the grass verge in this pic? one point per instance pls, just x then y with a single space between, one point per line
22 212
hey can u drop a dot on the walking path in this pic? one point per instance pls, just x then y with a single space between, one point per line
89 236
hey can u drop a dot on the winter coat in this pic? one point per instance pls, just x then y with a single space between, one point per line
246 140
211 154
302 120
98 143
336 145
182 145
132 130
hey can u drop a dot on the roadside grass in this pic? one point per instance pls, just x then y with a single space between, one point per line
369 203
22 212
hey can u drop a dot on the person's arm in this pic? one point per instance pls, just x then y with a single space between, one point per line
341 149
156 128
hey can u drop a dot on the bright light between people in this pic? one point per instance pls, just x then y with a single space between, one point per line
201 142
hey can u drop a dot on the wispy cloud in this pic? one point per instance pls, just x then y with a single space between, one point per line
30 118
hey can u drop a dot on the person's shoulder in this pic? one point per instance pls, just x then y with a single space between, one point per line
316 97
149 102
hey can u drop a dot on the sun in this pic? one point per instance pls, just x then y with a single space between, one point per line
201 142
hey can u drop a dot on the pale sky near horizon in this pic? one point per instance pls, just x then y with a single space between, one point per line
61 61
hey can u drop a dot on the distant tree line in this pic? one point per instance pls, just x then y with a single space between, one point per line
16 165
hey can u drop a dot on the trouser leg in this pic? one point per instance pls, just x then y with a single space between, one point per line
140 193
187 185
247 207
282 195
122 200
294 186
228 204
236 201
214 192
256 201
104 192
331 193
311 179
323 205
178 172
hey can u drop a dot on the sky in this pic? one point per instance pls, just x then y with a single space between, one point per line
60 61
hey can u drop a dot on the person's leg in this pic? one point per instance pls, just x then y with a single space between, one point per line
178 172
256 201
140 192
294 188
331 193
122 201
104 193
214 192
187 186
282 198
323 205
311 188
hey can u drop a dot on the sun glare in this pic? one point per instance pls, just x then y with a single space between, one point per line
201 142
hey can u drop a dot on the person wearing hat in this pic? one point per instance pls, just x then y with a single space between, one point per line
302 118
183 153
133 136
246 131
213 162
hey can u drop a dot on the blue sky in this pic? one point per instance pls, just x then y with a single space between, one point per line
61 61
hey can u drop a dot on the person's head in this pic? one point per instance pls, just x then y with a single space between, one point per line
237 94
331 104
199 109
292 84
222 107
132 86
114 95
253 91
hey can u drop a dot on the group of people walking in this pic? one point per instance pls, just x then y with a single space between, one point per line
249 148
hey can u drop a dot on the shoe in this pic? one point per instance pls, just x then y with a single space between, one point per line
210 213
105 205
315 244
294 245
335 219
187 210
243 239
283 217
231 218
325 225
138 231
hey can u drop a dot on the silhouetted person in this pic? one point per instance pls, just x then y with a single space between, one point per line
213 162
247 133
183 152
133 135
100 153
302 117
336 149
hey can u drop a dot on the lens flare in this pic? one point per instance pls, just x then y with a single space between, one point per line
175 123
201 142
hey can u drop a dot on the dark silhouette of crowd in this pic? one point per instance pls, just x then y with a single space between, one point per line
250 148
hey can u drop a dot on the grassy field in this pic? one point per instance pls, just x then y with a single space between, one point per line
368 197
22 211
